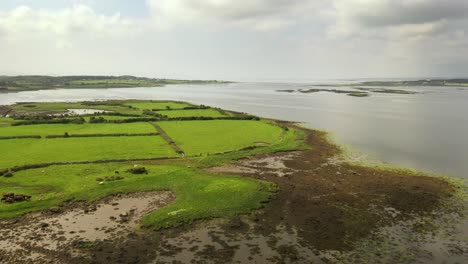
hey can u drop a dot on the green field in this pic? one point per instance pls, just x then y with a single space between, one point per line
112 83
38 82
108 117
34 151
75 129
63 107
204 137
190 113
5 121
199 194
149 105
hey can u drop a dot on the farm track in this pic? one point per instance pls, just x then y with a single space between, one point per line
168 139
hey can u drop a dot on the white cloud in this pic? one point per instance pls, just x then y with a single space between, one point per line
74 20
262 15
376 16
229 38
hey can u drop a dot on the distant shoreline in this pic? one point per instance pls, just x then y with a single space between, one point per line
12 84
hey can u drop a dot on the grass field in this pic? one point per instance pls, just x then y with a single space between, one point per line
34 151
76 129
63 107
203 137
149 105
37 82
46 106
199 194
190 113
5 121
108 117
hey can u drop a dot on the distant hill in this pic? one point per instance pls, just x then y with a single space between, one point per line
428 82
40 82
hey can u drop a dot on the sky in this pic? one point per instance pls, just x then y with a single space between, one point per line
258 40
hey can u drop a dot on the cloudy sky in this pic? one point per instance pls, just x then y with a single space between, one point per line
235 39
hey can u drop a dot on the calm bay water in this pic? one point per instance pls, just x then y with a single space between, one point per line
425 131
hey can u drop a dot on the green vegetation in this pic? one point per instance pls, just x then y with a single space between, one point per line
292 139
28 83
106 117
75 129
41 167
157 105
191 113
5 121
199 194
36 151
204 137
63 107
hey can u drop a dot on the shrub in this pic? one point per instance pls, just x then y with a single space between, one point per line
19 137
151 113
77 120
138 170
97 120
135 120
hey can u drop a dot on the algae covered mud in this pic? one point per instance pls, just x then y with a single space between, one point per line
163 181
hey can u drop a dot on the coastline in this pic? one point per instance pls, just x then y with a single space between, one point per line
324 204
303 223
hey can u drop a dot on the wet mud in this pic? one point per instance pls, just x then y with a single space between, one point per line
42 237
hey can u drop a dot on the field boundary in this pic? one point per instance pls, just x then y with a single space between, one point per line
62 163
20 137
168 139
80 136
103 135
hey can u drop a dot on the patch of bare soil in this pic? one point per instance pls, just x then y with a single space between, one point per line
63 233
